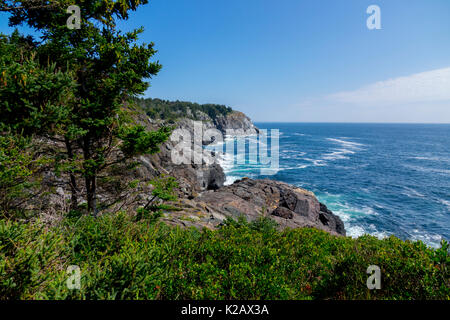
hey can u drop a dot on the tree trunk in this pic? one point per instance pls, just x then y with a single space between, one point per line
90 178
73 182
92 195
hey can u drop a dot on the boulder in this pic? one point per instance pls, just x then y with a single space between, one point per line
290 206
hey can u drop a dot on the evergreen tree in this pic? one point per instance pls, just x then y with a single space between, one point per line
104 70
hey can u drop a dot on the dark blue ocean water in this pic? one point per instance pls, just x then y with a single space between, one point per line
381 179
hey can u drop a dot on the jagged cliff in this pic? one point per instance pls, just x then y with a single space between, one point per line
205 202
194 178
289 206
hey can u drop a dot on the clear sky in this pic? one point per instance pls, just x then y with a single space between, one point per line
298 60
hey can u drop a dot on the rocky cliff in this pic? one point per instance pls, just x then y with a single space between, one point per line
205 202
213 115
194 178
289 206
235 121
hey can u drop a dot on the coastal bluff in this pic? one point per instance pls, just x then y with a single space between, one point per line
203 199
206 202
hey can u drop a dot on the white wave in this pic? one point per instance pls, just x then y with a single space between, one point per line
439 159
231 179
373 231
379 206
352 216
338 154
347 148
423 169
369 211
239 136
445 202
345 142
409 192
433 240
295 152
301 166
252 139
380 234
355 231
316 162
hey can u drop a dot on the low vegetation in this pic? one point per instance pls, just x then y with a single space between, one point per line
124 258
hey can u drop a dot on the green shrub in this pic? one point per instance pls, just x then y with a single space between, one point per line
17 165
121 258
31 260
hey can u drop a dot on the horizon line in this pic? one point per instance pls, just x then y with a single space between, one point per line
350 122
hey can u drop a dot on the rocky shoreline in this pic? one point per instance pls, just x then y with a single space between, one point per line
206 202
203 200
288 205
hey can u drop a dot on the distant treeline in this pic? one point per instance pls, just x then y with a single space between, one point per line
172 110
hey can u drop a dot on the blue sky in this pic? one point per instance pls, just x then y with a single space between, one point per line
294 60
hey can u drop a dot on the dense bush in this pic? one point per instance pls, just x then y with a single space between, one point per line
172 110
121 258
16 166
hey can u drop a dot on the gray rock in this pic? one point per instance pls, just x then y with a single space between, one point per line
290 206
283 213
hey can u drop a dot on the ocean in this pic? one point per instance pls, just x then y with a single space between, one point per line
380 179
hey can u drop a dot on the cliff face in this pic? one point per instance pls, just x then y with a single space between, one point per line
213 115
195 178
236 121
205 202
